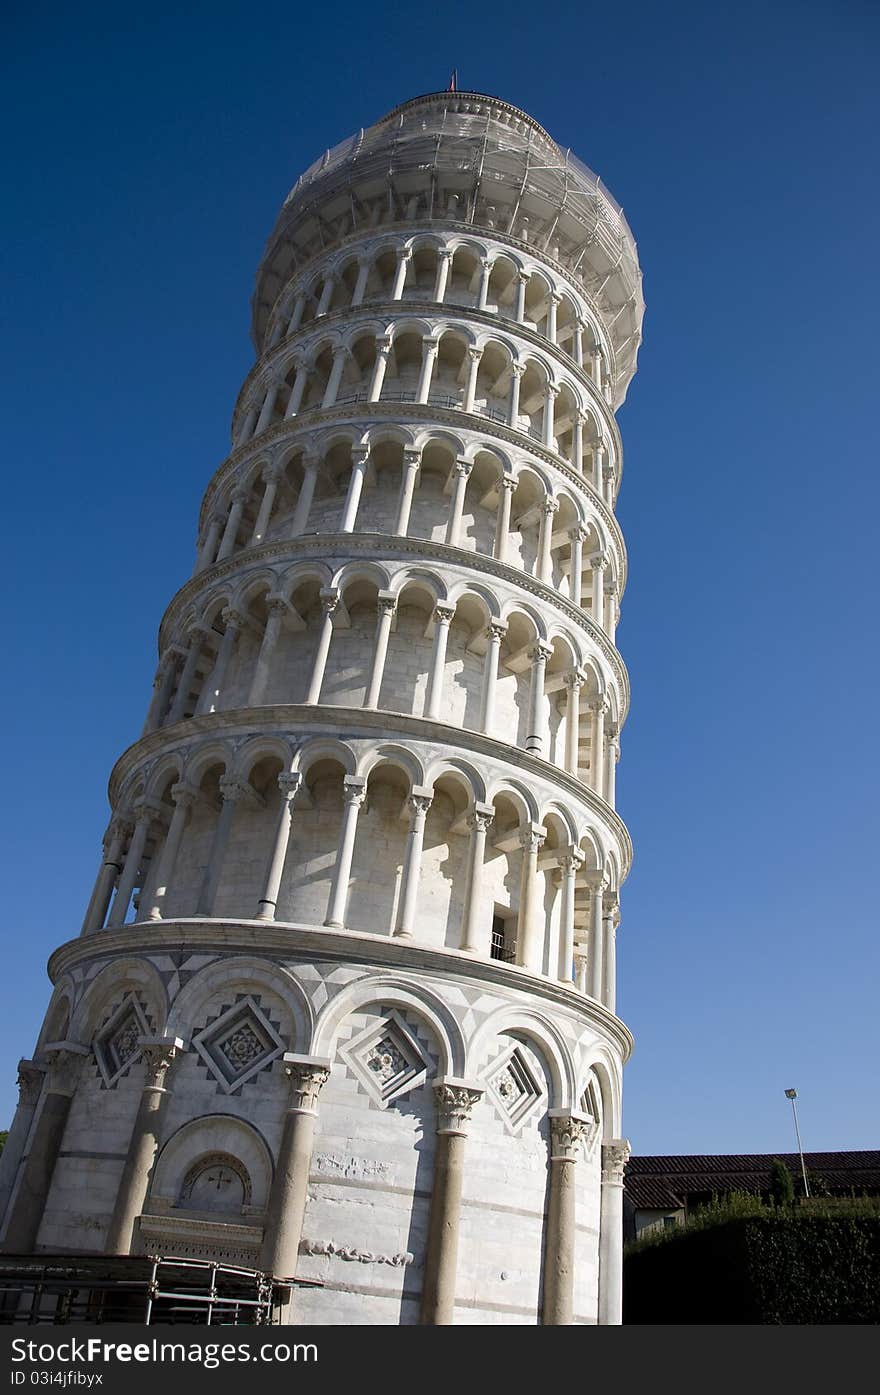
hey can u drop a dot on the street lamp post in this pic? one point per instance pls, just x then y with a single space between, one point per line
792 1095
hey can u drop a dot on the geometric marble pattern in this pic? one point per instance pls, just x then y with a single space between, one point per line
116 1045
386 1059
238 1043
516 1089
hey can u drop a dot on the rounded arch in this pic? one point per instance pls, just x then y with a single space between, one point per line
513 1020
393 991
520 796
168 766
470 778
121 975
389 753
324 748
258 748
201 1139
599 1062
59 1014
243 974
373 572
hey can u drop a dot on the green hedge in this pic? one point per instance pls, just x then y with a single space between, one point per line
798 1267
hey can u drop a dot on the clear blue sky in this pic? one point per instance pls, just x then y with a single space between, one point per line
147 153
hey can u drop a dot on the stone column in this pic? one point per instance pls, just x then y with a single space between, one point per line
610 609
483 290
271 478
306 494
522 280
612 756
354 793
569 866
554 300
578 536
327 290
528 939
131 871
536 725
277 609
429 356
581 970
184 798
444 260
239 499
208 549
596 366
567 1130
598 462
329 603
386 604
162 685
412 459
507 487
299 307
30 1085
360 285
578 442
383 352
289 784
287 1200
608 482
231 791
297 392
442 617
247 426
599 563
64 1060
516 375
419 802
577 344
614 1158
479 821
598 707
404 257
331 392
359 457
551 392
596 969
114 841
496 632
574 681
268 406
461 471
197 636
545 537
609 958
470 389
212 693
157 1054
455 1102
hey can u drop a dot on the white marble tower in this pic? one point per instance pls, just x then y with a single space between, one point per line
343 1004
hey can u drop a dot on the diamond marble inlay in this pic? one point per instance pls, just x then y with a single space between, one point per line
116 1046
238 1043
387 1060
516 1088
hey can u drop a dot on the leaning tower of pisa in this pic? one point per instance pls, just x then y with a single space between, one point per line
343 1004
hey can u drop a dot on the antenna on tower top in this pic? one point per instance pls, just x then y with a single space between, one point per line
453 81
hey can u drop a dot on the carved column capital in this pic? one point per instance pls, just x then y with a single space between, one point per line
568 1130
65 1061
481 816
455 1103
158 1055
354 789
540 652
615 1154
496 630
289 783
31 1075
531 837
443 614
306 1075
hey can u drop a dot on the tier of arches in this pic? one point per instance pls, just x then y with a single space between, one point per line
409 640
430 485
454 271
443 364
443 852
222 1131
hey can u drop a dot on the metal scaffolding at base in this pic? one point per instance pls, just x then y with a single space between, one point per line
149 1289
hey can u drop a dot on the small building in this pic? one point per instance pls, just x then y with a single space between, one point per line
661 1191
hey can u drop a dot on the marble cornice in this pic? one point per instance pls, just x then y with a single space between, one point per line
310 942
284 432
298 720
391 310
383 544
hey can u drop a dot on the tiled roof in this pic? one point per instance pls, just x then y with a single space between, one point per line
664 1183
